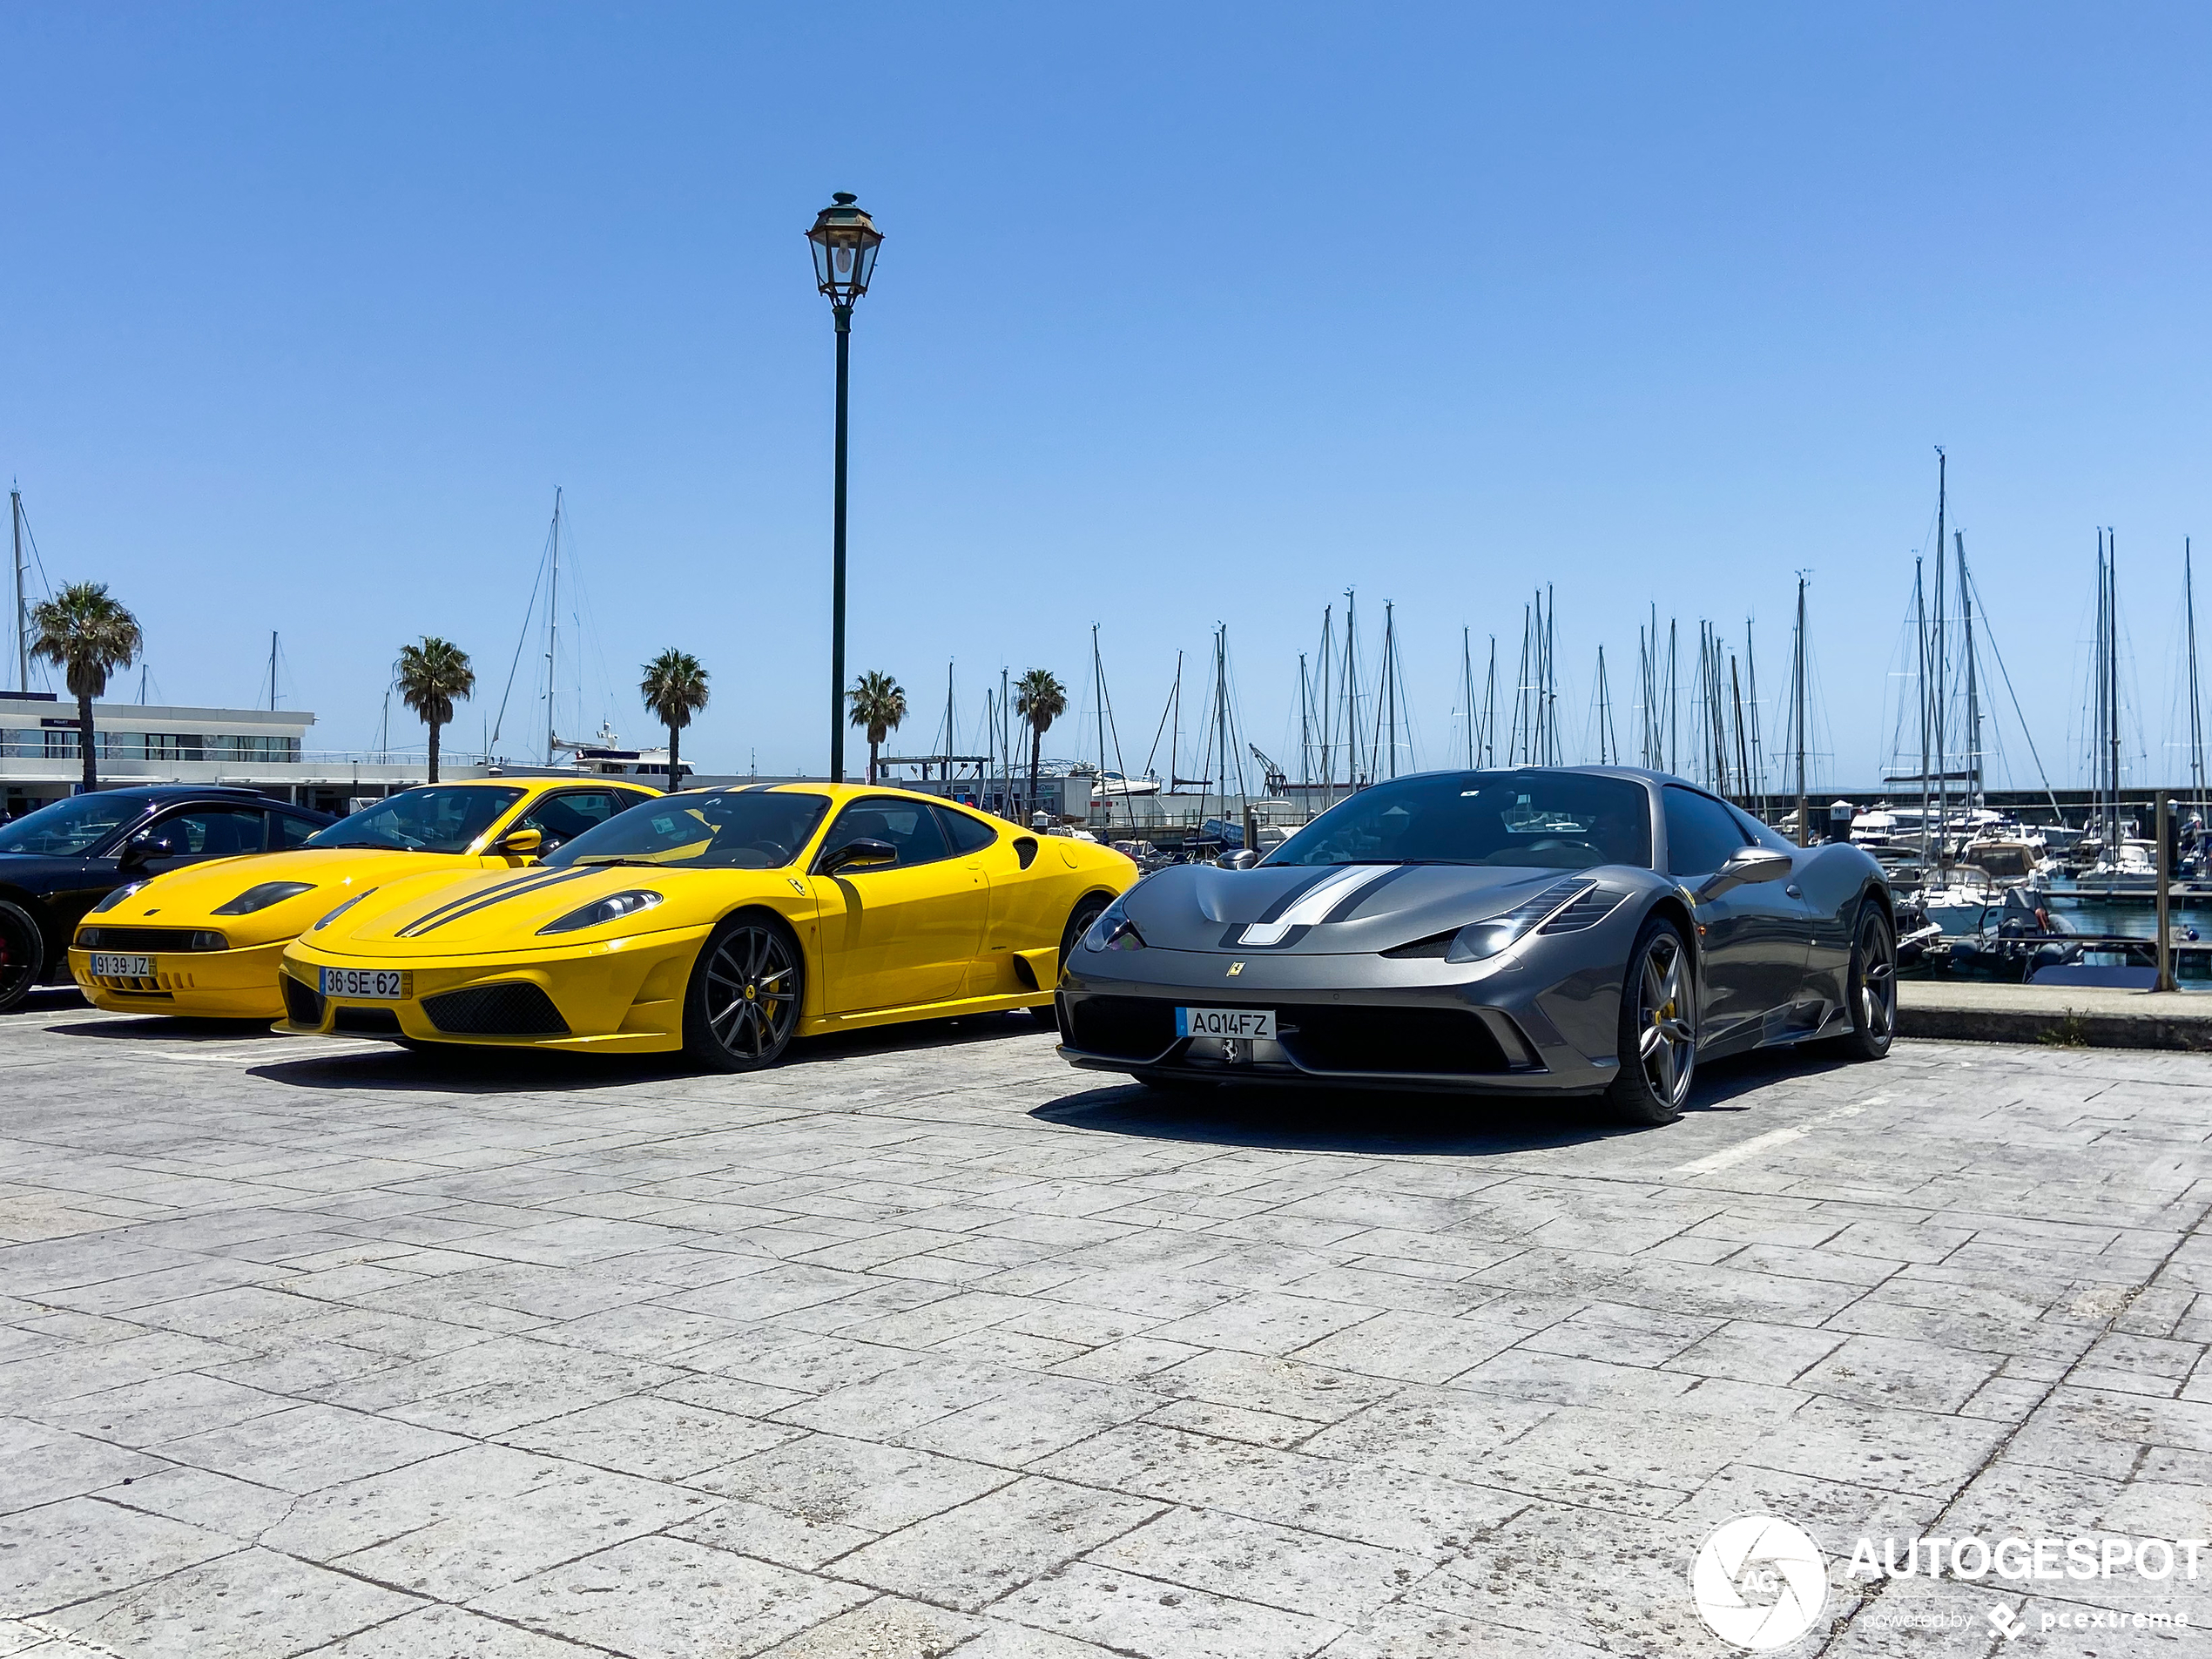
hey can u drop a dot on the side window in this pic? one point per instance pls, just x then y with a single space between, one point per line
966 834
205 832
1701 833
287 830
564 817
908 826
1761 833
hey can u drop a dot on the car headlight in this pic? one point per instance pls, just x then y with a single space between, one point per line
116 897
613 907
1114 931
1479 939
341 910
262 897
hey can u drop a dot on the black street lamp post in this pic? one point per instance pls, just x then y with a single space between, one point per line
844 242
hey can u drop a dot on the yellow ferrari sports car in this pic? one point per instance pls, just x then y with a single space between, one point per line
722 922
204 941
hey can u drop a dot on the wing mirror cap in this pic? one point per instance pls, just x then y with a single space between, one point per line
1748 867
522 843
863 854
1241 861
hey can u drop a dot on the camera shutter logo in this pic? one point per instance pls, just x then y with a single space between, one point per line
1759 1582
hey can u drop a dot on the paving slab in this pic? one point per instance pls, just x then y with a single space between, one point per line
924 1344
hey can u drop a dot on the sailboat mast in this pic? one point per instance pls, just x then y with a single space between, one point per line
1742 749
1098 686
1604 710
553 633
1326 708
1467 686
1804 838
1942 673
22 599
1351 691
1305 735
1390 678
272 660
2112 667
1490 708
2197 708
1973 689
1920 633
1758 754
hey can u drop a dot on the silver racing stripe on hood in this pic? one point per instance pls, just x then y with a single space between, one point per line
1314 903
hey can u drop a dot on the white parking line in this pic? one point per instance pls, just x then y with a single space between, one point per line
1772 1139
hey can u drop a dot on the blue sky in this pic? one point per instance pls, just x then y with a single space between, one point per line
1187 314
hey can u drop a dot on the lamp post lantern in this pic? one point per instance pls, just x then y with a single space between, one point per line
844 242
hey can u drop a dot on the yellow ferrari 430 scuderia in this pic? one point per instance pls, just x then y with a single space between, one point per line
720 921
204 941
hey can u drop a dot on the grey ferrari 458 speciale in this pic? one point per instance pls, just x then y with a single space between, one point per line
1587 930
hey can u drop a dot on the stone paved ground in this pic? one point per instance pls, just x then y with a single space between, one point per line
928 1345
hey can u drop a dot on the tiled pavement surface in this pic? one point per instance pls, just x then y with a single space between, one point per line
928 1346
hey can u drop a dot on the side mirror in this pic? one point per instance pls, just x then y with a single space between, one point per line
1747 867
134 852
521 844
862 854
1239 861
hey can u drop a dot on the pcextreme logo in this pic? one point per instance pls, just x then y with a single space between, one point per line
1759 1582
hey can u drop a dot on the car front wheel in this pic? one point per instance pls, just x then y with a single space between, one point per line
1658 1028
743 1003
1870 990
22 953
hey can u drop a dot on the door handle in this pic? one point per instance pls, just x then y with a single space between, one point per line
1794 891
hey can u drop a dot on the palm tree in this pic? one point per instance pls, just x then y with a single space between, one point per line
674 688
1040 699
88 636
430 675
879 703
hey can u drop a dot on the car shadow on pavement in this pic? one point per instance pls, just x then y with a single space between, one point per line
463 1070
169 1028
1384 1121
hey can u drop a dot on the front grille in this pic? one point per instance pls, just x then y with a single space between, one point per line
1319 1036
1333 1037
1127 1027
302 1003
366 1023
147 939
510 1008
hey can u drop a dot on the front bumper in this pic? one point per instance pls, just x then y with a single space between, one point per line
1344 1022
239 984
616 997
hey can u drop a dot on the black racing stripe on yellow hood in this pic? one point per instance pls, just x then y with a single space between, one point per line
521 888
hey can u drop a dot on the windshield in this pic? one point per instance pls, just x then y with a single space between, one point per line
70 828
1543 820
709 830
440 818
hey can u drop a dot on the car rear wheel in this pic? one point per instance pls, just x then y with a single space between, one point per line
1870 988
743 1003
1658 1029
23 954
1079 920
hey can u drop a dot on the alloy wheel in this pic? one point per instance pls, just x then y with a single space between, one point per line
751 988
1877 1007
1666 1027
19 957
